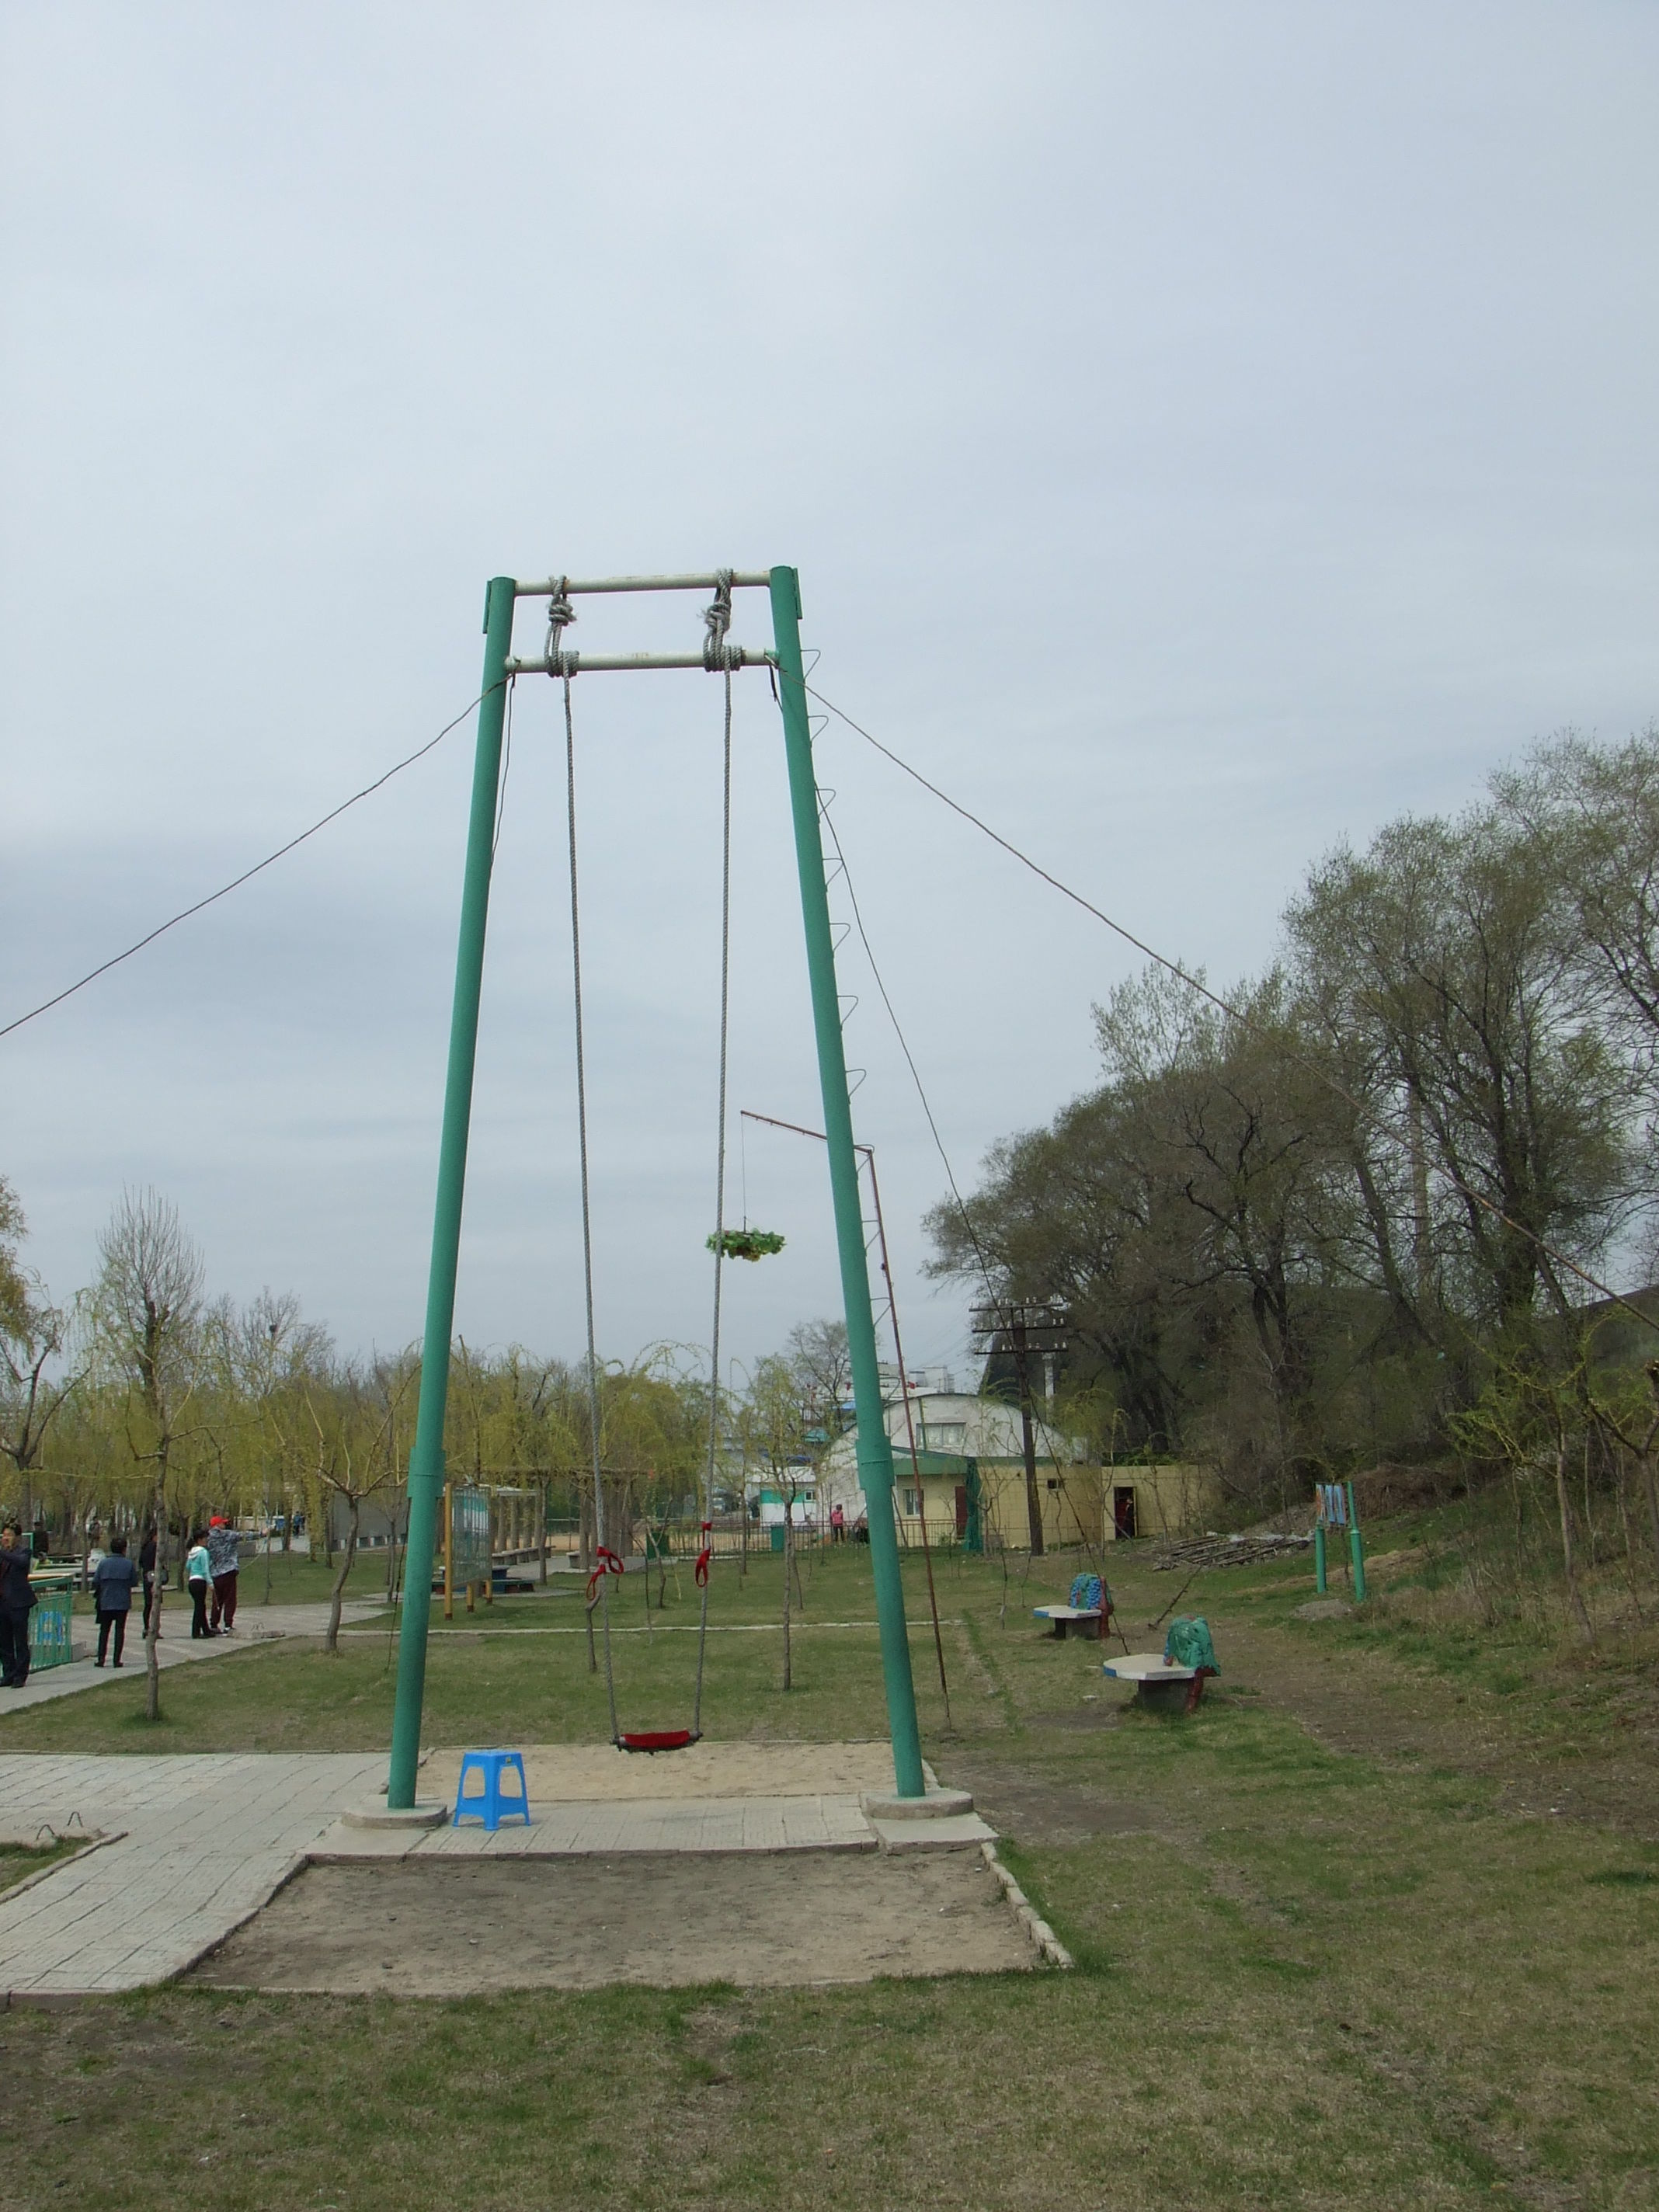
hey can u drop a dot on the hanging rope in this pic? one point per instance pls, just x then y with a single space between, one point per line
606 1562
716 645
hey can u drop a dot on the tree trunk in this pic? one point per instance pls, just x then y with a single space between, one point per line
1575 1597
152 1634
336 1595
1651 1488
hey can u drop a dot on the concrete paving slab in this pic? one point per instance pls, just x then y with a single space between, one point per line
951 1833
207 1841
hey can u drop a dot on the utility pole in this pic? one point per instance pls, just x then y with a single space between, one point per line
1024 1332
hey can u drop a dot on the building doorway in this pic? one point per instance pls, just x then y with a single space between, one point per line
1123 1510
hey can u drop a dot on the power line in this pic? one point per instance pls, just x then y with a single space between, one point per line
1369 1112
236 882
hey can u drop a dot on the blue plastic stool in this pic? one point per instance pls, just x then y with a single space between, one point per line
488 1804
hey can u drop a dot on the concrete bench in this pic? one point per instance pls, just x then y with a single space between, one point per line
1159 1686
1065 1618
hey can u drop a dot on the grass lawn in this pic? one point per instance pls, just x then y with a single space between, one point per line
19 1861
1307 1976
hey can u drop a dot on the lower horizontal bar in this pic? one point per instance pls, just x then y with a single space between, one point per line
592 664
755 579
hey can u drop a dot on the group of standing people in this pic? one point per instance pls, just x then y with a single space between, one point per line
210 1568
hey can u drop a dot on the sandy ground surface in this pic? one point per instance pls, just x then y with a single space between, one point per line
573 1773
448 1928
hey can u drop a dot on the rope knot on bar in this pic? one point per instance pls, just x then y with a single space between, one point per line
717 620
560 615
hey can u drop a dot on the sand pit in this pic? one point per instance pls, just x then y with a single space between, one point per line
449 1927
564 1773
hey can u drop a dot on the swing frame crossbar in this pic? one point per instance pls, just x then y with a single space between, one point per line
875 1456
730 657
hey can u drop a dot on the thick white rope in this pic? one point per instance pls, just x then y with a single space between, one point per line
601 1561
719 1167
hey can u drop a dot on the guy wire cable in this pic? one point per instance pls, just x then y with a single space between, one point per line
1375 1115
246 875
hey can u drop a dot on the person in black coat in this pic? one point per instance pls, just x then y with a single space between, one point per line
111 1591
17 1599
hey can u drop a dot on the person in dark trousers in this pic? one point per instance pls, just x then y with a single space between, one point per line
112 1593
198 1572
147 1568
17 1599
224 1552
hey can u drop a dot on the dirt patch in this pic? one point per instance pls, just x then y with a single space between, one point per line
1032 1811
1363 1702
453 1929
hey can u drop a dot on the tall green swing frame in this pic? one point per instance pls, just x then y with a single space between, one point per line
875 1456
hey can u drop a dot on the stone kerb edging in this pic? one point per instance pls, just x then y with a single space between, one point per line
1048 1945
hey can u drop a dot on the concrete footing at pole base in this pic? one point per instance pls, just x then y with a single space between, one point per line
386 1816
933 1804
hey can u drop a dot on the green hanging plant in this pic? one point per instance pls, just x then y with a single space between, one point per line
745 1243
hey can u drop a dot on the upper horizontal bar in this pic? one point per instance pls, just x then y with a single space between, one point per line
758 578
583 664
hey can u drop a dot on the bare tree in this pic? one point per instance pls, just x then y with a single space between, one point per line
357 1458
145 1330
33 1332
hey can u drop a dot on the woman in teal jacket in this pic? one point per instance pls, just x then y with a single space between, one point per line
198 1570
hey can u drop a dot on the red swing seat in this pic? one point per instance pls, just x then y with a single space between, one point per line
659 1740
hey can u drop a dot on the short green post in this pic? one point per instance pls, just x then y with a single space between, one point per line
426 1461
875 1453
1356 1549
1319 1556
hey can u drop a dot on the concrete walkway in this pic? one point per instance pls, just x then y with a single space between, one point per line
190 1846
257 1624
194 1845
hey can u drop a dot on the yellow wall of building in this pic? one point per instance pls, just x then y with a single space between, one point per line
1179 1497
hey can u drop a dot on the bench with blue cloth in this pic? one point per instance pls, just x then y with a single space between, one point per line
1088 1610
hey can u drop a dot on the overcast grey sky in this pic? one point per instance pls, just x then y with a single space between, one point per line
1202 431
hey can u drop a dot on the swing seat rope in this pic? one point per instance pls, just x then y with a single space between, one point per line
606 1562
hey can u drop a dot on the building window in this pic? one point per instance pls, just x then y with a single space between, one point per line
912 1506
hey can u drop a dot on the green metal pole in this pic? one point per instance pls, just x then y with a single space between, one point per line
1319 1556
426 1461
875 1453
1356 1551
